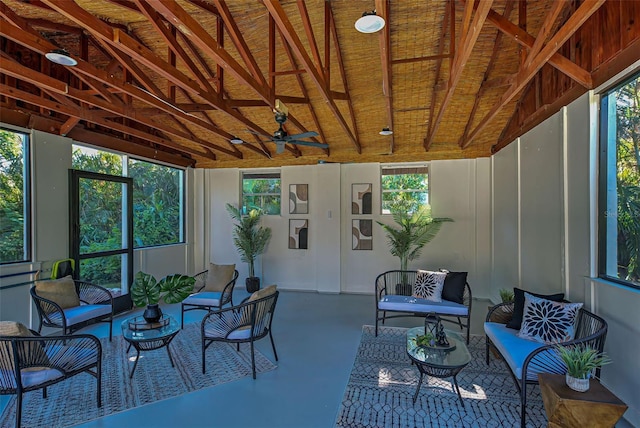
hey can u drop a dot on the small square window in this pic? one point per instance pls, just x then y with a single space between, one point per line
261 191
404 189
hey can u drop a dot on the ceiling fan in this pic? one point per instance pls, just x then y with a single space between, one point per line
280 137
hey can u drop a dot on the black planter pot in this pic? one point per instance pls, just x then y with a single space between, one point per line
252 283
153 313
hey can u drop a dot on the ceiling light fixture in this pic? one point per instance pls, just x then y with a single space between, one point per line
62 57
386 131
236 140
369 22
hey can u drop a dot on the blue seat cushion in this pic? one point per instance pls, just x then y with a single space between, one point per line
514 349
204 298
83 313
399 303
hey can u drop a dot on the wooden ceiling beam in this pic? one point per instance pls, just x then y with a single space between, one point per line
88 115
462 55
545 30
561 63
287 30
497 45
155 20
449 16
239 42
384 39
311 38
420 58
201 38
575 21
305 93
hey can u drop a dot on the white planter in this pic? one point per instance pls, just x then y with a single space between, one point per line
580 385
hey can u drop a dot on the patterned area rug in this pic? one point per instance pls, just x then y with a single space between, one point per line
383 381
74 401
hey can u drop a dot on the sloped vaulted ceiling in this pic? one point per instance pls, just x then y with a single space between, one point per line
178 80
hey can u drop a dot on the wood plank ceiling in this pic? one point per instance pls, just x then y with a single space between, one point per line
177 80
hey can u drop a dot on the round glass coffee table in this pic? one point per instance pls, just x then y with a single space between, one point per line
440 363
145 336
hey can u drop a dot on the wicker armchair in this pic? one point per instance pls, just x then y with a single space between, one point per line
247 322
57 358
208 300
96 305
590 330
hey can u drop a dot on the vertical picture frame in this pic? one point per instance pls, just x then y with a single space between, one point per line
361 198
298 199
362 234
298 234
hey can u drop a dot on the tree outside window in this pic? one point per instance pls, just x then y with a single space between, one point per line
261 191
404 189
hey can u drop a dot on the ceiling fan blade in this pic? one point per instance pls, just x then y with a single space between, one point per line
279 147
303 135
308 143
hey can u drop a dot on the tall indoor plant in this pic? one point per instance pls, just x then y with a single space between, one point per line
250 240
411 232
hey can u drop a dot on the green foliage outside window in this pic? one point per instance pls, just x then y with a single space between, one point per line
627 99
261 192
13 218
404 192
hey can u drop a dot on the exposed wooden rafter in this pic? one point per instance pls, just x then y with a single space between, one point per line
382 9
586 9
463 52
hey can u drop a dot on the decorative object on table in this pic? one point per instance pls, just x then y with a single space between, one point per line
581 361
434 329
136 323
506 296
146 290
298 199
361 202
411 233
250 240
362 234
298 234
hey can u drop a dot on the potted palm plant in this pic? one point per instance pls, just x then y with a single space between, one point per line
411 233
147 291
506 295
250 240
581 361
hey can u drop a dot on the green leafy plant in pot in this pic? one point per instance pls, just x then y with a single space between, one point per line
411 232
250 240
506 295
146 290
581 361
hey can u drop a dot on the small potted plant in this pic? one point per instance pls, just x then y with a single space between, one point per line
581 361
147 291
506 295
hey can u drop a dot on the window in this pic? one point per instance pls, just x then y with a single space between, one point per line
619 204
158 194
404 188
15 236
261 191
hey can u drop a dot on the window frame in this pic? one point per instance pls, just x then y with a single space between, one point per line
406 169
125 160
605 161
258 175
27 194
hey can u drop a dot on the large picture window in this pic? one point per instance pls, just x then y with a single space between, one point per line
619 190
261 191
404 188
158 194
15 237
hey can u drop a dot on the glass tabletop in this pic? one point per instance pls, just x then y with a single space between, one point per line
457 357
137 329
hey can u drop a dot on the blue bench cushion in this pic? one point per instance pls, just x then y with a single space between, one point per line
514 349
399 303
204 298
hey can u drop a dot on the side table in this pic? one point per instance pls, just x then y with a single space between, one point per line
149 337
566 408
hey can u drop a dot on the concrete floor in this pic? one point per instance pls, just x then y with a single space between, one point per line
316 336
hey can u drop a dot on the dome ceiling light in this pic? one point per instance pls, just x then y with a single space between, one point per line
236 140
369 23
386 131
61 57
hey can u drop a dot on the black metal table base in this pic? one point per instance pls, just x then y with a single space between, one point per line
425 370
150 345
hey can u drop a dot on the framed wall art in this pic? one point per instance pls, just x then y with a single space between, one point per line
361 202
298 199
298 234
362 234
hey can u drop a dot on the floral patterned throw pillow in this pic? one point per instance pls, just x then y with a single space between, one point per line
548 322
429 285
